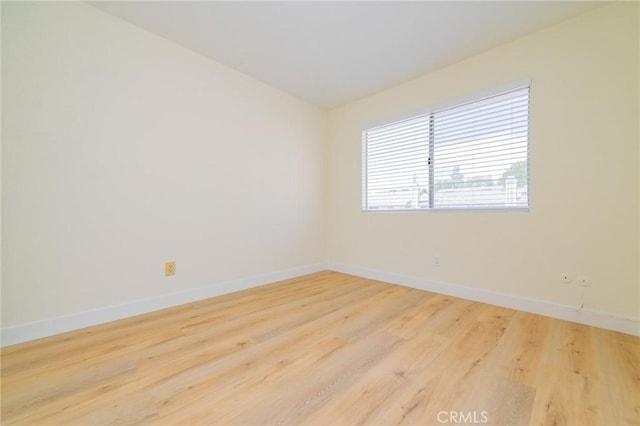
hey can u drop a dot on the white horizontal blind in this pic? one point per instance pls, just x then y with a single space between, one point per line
470 156
481 153
397 172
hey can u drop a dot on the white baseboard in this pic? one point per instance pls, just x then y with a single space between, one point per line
535 306
38 329
35 330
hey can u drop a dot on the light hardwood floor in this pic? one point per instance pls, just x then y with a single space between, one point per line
326 349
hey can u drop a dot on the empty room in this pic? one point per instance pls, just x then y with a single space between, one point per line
320 213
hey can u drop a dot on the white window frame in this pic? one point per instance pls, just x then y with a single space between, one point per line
432 207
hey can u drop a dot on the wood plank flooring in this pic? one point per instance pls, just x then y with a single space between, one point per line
326 349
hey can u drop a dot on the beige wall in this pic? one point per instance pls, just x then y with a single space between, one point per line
122 150
584 173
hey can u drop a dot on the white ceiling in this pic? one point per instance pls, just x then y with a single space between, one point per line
329 52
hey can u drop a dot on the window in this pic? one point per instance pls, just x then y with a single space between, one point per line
470 156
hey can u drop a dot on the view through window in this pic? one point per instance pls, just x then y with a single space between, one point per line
470 156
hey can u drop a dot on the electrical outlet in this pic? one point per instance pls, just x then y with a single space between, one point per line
169 269
566 278
436 260
584 282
